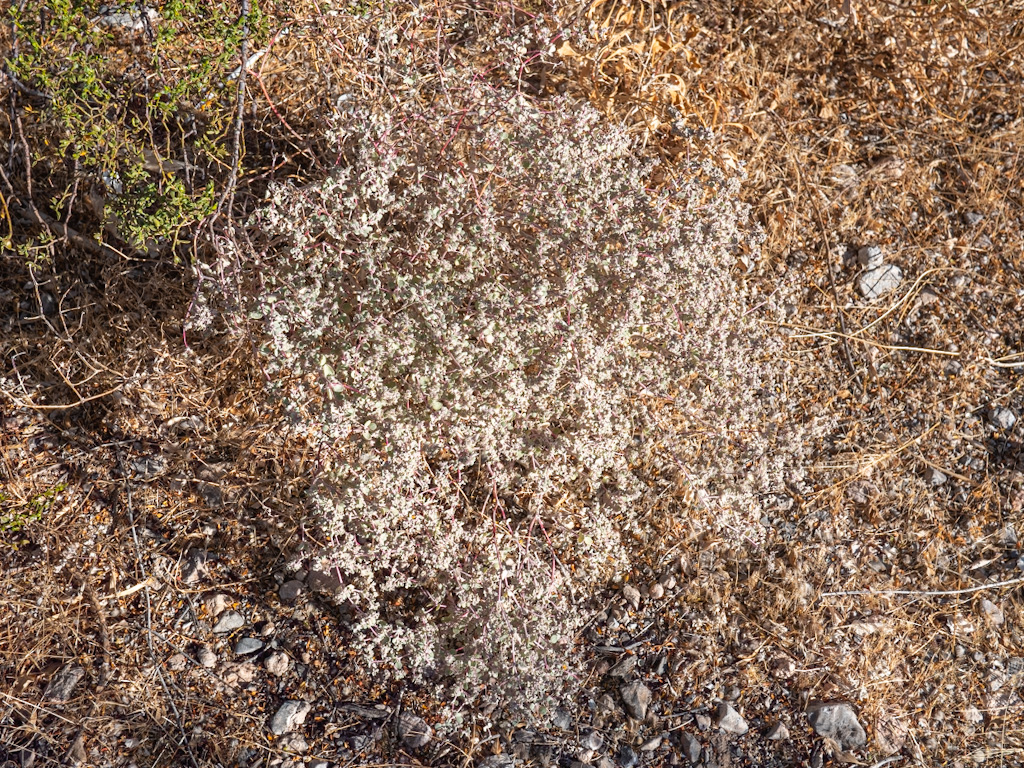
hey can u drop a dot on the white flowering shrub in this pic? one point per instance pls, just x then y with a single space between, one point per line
493 314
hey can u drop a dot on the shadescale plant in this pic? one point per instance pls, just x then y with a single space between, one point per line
489 322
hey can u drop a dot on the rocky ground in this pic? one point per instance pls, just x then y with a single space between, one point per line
159 607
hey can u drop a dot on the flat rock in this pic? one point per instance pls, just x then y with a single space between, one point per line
290 590
636 697
62 684
934 476
778 732
632 596
626 757
277 664
293 742
691 748
624 668
870 257
497 761
729 720
837 721
1002 417
414 731
326 582
289 716
207 658
879 281
248 645
177 662
228 622
562 720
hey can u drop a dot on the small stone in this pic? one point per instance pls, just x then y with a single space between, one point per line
837 721
870 257
63 684
177 662
414 731
636 697
729 720
778 732
207 658
992 612
972 218
652 743
934 477
562 720
1001 417
861 491
657 591
289 716
626 757
228 622
247 645
319 764
130 21
691 748
632 596
293 742
290 590
195 565
879 281
324 582
497 761
592 741
624 668
277 664
973 715
216 603
703 722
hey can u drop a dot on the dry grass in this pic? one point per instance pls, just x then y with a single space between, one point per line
882 128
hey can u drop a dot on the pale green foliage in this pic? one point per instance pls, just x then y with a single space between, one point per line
494 319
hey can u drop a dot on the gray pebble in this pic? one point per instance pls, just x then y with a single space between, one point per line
290 590
1002 417
229 621
288 716
497 761
636 697
562 720
624 668
207 657
324 581
632 596
293 742
63 684
652 743
277 664
838 722
691 748
778 732
973 218
247 645
414 731
879 281
593 741
934 476
177 662
729 720
870 257
626 757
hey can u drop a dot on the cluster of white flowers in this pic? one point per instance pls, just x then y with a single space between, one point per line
500 320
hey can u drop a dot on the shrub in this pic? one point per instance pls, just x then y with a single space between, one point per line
488 319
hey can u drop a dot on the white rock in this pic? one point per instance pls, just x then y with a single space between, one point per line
992 612
1002 417
870 257
277 664
879 281
289 716
729 720
837 721
778 732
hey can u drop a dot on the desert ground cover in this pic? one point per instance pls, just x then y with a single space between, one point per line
165 597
